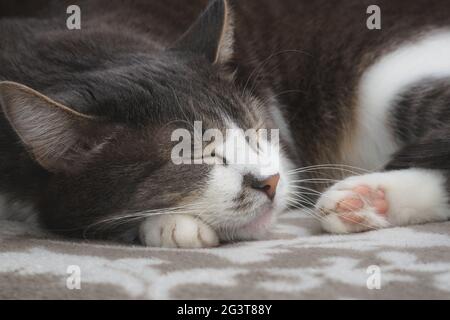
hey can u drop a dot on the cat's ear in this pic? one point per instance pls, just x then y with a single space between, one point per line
59 138
211 35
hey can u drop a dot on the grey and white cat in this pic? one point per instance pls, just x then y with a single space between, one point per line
88 116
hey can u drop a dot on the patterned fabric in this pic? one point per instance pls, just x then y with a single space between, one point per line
297 262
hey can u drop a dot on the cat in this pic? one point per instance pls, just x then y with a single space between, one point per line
88 116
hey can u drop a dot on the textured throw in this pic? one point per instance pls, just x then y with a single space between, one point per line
298 262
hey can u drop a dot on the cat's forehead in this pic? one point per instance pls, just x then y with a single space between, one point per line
192 90
215 103
154 91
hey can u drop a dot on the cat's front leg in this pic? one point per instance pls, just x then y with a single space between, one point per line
177 231
384 199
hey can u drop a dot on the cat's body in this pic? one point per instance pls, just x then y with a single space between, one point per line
339 93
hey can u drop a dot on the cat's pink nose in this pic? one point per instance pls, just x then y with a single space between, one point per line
269 185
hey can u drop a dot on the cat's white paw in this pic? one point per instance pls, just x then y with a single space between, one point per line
177 231
353 207
384 199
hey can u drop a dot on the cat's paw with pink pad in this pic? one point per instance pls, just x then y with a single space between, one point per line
363 196
353 206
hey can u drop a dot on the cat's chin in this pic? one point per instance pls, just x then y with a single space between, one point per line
257 228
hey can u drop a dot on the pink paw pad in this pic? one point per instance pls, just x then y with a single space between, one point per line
363 196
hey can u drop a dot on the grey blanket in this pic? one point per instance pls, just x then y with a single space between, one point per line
297 262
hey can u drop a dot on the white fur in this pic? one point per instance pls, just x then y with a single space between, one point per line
225 184
414 196
380 85
177 231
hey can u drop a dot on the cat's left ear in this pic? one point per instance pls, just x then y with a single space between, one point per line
211 35
58 138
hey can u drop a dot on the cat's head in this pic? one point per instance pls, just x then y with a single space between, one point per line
116 151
